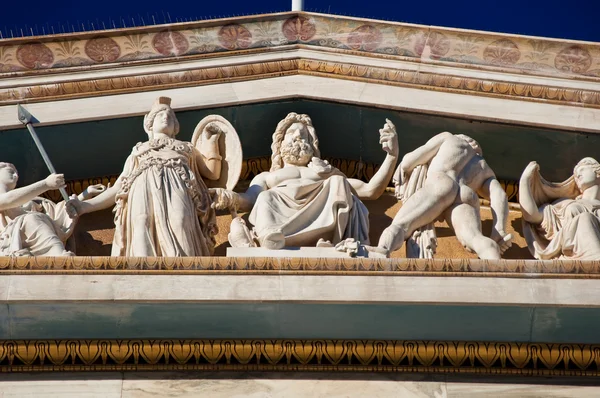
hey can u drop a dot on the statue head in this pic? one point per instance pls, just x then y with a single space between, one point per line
474 144
586 173
8 175
161 119
294 142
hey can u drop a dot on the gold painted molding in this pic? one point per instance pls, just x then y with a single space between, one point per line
527 359
569 269
303 66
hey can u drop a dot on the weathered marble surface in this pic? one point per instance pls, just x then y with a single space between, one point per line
315 252
296 385
304 307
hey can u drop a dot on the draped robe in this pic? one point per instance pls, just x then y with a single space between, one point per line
570 226
163 207
306 211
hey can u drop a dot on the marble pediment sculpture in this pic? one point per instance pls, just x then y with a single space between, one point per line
562 220
31 225
441 180
162 205
304 199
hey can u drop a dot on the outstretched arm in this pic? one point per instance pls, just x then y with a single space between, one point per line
529 207
103 201
19 196
376 186
227 199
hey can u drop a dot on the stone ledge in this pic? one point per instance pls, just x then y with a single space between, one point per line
304 289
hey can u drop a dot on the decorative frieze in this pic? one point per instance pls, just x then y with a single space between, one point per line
528 359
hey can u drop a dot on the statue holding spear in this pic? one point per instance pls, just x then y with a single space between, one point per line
31 225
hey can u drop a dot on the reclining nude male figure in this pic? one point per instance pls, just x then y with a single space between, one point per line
456 175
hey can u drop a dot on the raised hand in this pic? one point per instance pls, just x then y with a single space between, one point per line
209 141
55 181
388 138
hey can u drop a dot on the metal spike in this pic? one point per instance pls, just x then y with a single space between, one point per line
11 34
169 15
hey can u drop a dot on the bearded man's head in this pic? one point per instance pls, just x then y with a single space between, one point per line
294 142
295 148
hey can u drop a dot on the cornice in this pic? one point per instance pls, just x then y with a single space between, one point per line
503 358
463 48
393 76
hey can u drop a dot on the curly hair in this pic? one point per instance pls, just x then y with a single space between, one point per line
588 162
6 164
159 107
279 134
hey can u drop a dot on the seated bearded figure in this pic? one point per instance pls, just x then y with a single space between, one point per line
303 199
562 220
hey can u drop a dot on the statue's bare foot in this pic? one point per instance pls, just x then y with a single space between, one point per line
378 250
273 240
240 235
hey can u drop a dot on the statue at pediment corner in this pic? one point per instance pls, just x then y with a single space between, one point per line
303 199
31 225
562 220
162 205
442 180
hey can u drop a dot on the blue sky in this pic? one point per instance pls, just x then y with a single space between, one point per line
577 19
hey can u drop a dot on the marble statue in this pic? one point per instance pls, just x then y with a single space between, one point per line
442 180
562 220
303 198
162 205
30 225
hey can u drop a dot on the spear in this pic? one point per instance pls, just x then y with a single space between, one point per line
26 118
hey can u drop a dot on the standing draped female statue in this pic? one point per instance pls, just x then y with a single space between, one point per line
162 203
562 220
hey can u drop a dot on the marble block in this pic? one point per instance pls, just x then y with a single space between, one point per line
315 252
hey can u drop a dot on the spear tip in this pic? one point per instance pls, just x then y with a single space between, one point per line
24 116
